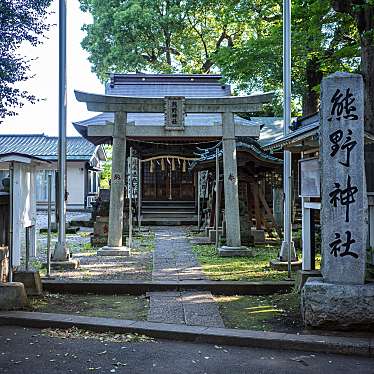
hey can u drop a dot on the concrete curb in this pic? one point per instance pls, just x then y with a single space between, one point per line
199 334
142 287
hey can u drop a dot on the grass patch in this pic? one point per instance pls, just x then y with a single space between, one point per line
254 268
278 312
84 234
108 306
144 243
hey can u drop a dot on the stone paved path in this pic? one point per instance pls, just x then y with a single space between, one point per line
173 260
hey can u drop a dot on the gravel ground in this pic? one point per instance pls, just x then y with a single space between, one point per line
138 266
42 218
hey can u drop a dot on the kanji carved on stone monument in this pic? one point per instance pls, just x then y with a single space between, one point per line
343 181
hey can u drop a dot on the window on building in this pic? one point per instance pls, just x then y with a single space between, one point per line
93 182
3 174
42 185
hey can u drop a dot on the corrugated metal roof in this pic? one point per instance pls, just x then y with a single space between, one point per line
161 85
300 133
271 130
45 147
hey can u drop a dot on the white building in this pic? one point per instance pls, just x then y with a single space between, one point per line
84 164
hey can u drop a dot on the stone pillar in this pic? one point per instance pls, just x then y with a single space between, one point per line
117 192
341 299
139 193
344 199
230 174
278 205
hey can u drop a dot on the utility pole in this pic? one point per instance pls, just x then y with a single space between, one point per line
287 250
61 252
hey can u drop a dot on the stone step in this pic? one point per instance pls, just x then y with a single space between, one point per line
168 205
168 214
169 210
162 202
165 221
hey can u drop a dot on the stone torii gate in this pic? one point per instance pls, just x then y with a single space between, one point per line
175 109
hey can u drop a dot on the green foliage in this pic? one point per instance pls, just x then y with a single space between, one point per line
161 36
106 174
241 39
20 21
322 42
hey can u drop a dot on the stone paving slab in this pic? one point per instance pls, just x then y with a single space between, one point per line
212 335
173 260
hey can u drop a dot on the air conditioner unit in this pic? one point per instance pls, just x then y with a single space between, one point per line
90 200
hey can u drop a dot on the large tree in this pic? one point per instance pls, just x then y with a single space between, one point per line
362 11
322 42
20 21
160 35
240 38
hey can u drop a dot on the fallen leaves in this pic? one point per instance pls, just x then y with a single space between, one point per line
75 333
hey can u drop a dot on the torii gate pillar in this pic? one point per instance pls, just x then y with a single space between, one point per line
117 190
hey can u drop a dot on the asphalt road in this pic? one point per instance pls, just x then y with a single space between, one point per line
27 351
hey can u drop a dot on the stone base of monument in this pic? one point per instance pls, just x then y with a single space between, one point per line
100 241
258 236
226 251
114 251
283 265
303 275
70 264
12 295
337 306
31 281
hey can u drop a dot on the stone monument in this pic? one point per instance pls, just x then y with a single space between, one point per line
341 299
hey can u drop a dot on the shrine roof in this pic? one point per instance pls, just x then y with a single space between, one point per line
248 145
161 85
304 129
46 147
156 119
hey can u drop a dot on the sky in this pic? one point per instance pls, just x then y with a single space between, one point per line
42 117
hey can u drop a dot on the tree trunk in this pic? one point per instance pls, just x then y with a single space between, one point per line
310 102
367 70
311 97
365 24
364 16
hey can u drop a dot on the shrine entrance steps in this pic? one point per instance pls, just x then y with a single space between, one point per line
168 213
